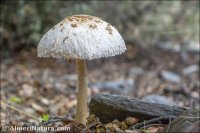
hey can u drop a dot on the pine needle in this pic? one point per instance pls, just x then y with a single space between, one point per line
20 111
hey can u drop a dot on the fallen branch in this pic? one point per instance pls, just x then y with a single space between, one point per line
109 107
160 120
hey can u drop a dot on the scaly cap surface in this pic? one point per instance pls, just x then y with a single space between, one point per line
81 37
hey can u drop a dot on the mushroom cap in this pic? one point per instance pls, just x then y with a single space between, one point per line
81 37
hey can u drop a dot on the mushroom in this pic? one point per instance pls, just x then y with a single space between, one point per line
81 37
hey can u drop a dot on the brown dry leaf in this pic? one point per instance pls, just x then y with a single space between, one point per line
155 129
70 103
112 125
45 101
117 122
123 125
38 108
131 131
131 121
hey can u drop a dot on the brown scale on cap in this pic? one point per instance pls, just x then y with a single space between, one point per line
65 39
98 20
83 18
74 25
53 45
93 26
109 29
70 18
63 22
62 28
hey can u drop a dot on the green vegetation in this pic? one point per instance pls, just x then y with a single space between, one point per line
15 100
45 117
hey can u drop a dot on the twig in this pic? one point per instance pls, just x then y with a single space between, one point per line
151 125
170 120
190 117
93 124
159 120
21 111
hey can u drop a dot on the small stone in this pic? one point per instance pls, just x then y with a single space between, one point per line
29 110
192 46
169 46
158 99
117 87
27 91
70 77
170 76
136 71
191 69
45 101
195 94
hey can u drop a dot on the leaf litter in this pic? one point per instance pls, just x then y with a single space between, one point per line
44 87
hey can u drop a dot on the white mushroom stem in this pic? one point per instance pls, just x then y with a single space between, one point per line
81 108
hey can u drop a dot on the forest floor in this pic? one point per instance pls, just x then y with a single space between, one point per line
48 86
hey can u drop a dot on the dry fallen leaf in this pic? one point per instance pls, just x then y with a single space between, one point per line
131 121
38 108
154 129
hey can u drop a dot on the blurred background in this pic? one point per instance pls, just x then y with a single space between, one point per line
160 65
141 23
